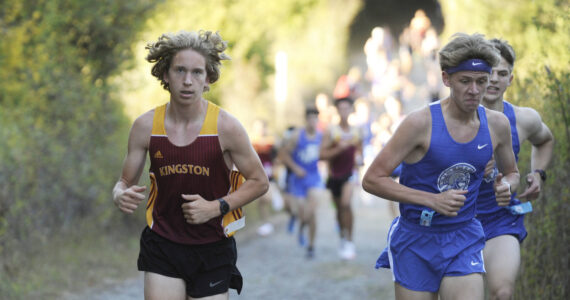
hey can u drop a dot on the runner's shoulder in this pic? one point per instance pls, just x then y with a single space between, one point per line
419 119
143 123
528 118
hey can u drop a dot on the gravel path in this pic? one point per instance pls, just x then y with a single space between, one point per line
274 267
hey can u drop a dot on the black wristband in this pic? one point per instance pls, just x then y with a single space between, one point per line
224 206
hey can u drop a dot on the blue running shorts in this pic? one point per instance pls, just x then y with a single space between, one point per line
300 186
503 222
421 256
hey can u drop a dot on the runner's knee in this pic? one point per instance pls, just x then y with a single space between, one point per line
504 292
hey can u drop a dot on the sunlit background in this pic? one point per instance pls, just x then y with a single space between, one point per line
73 78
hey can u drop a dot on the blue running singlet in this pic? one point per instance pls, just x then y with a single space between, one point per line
497 220
306 155
486 202
448 165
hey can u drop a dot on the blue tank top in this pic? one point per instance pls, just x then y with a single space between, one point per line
448 165
306 154
486 202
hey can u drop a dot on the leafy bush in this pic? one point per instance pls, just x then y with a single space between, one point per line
544 254
60 126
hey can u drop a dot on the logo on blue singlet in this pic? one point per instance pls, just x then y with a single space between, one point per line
310 153
456 177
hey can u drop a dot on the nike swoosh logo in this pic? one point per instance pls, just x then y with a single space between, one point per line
479 147
213 284
475 64
474 263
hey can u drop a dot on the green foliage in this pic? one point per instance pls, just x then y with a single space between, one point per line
545 259
65 65
539 32
62 131
313 33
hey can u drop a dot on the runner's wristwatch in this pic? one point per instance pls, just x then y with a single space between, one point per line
224 206
542 174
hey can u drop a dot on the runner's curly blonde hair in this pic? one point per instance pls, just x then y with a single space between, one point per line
207 43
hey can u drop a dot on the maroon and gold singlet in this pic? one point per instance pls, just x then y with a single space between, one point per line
197 168
342 164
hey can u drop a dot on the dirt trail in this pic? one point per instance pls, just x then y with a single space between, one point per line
275 267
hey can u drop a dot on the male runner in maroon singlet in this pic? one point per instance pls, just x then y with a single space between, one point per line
193 145
341 145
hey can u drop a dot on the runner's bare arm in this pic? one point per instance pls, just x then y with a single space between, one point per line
237 150
237 147
126 194
409 143
286 151
329 149
542 140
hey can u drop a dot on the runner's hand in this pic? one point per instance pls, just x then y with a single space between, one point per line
533 186
502 191
130 198
300 172
196 210
450 202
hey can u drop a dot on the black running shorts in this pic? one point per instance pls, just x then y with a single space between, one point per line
208 269
335 184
